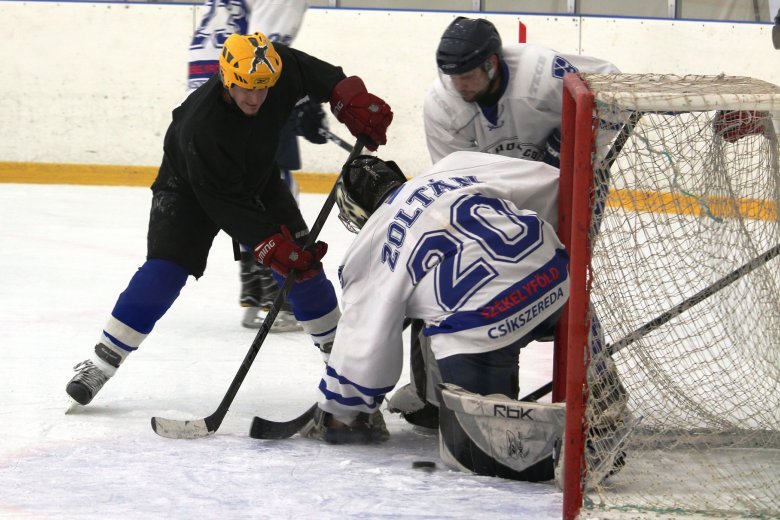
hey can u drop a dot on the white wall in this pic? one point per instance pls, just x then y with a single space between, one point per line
95 83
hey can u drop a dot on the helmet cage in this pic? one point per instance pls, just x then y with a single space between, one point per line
350 213
363 186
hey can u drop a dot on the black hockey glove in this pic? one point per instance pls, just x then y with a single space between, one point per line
552 152
309 118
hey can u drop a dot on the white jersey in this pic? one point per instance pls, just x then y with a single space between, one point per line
528 111
278 20
470 248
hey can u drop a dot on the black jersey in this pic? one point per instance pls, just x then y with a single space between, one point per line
224 159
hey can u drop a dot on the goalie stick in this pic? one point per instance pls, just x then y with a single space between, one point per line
193 429
675 311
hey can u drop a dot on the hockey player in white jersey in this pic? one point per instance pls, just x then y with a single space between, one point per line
495 98
469 247
280 21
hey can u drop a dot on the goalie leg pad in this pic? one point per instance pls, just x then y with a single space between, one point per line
498 436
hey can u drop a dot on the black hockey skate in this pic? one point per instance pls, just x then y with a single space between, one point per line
86 383
251 282
365 429
258 292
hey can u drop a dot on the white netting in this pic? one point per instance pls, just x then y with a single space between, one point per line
692 197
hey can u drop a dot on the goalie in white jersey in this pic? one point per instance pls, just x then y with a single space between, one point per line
470 248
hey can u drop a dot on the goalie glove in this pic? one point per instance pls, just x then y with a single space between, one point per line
281 253
366 116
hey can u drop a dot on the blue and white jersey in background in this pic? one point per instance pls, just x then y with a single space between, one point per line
279 20
528 111
470 248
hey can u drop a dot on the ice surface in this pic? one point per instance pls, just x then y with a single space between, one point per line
66 252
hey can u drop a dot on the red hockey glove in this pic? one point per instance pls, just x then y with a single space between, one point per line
366 116
733 125
282 254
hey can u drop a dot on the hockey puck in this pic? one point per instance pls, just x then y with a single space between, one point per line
425 465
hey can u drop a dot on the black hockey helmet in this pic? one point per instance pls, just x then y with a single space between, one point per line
363 186
466 44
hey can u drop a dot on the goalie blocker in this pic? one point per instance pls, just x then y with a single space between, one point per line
497 436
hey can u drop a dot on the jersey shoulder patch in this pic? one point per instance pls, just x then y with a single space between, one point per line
561 66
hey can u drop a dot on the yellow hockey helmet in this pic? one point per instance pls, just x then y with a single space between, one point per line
249 61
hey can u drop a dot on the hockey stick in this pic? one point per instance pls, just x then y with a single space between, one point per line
327 134
601 173
193 429
675 311
266 429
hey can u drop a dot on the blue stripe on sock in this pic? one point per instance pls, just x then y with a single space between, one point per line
346 401
372 392
115 341
327 332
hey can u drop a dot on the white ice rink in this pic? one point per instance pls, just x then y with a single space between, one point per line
66 252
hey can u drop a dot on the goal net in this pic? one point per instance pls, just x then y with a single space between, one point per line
669 207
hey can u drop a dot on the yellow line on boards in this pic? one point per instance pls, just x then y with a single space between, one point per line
630 200
110 175
680 204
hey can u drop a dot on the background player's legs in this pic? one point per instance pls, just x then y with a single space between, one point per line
258 288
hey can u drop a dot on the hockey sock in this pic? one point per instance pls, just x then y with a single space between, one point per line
149 295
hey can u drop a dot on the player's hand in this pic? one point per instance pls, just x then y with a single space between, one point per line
366 116
309 118
281 253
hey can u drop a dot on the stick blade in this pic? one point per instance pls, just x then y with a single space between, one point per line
174 429
265 429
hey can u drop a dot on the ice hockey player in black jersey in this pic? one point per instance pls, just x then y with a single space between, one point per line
218 173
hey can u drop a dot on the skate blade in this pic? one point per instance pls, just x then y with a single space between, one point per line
293 326
73 407
255 316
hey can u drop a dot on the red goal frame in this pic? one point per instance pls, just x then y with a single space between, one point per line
571 353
